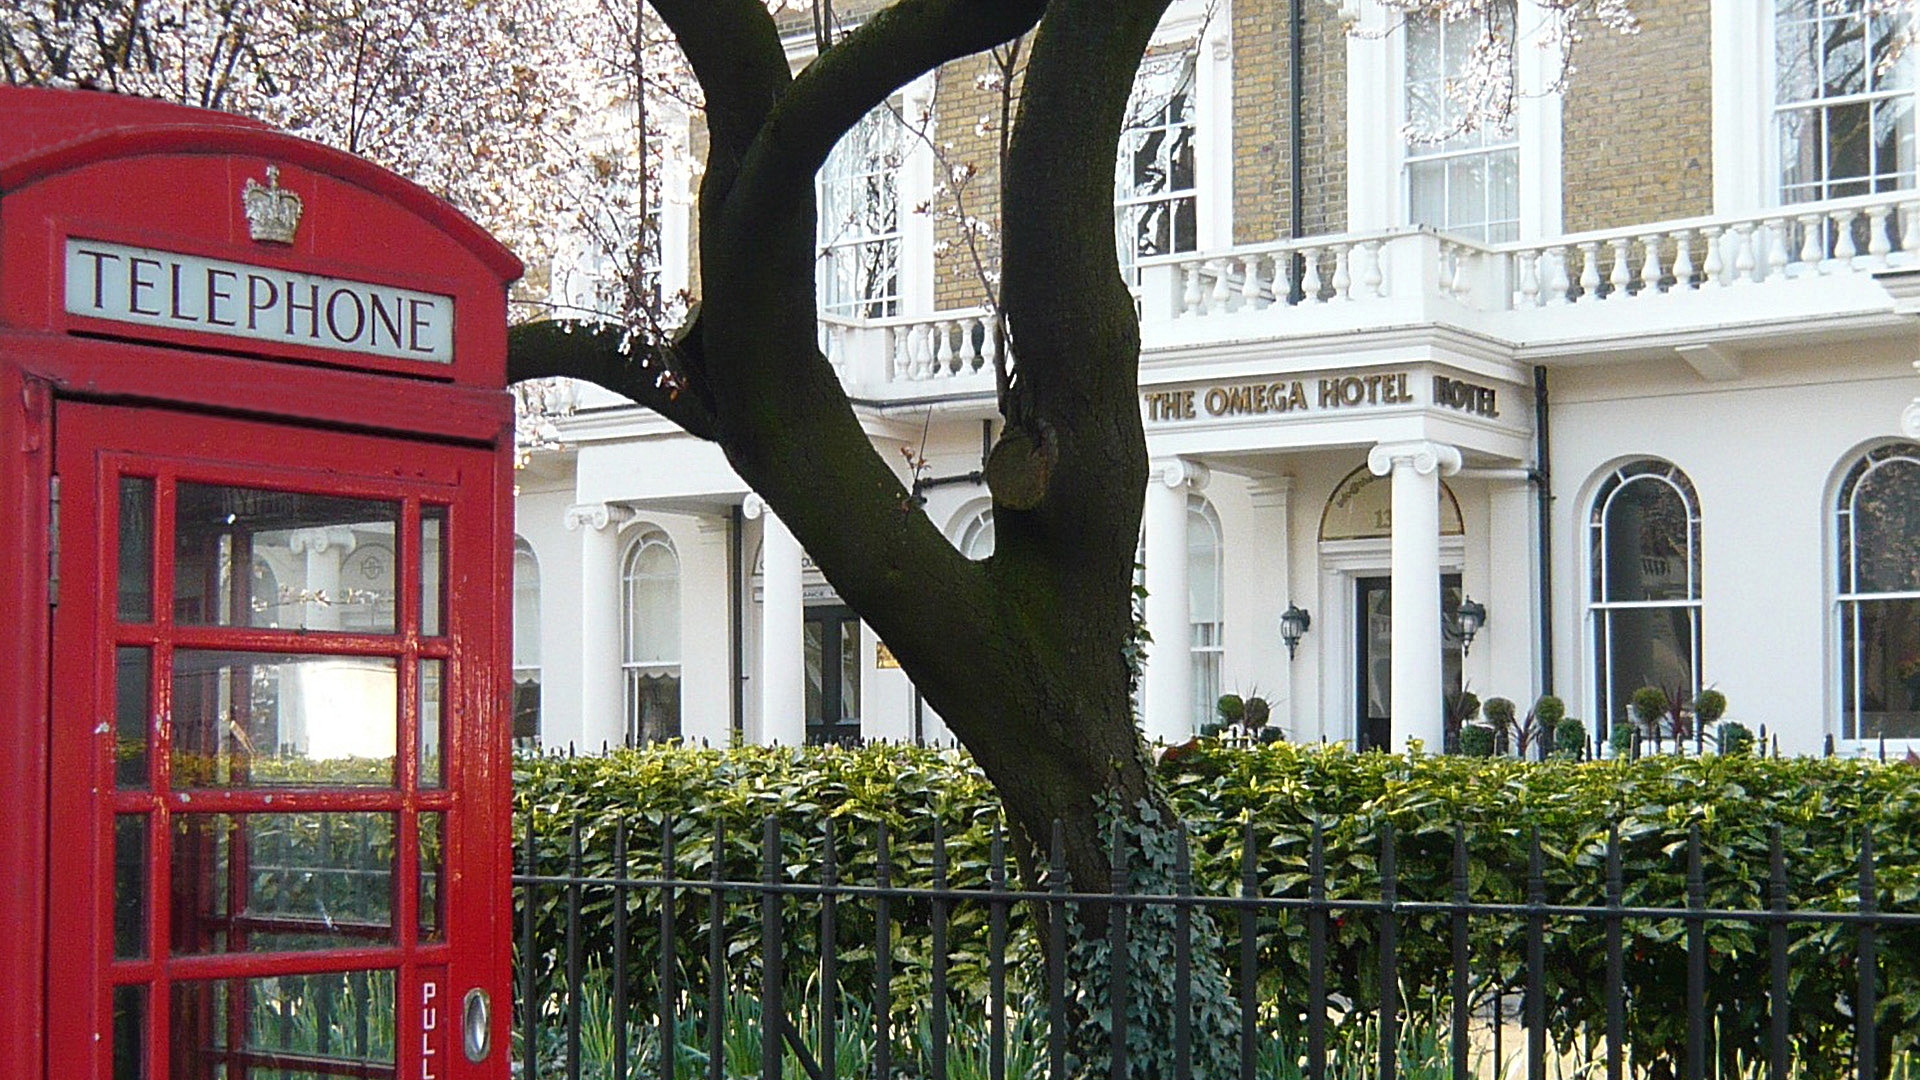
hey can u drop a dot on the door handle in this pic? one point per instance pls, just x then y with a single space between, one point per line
476 1025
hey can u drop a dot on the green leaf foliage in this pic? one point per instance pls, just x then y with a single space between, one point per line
838 800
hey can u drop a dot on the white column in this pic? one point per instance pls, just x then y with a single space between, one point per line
783 670
1166 697
1416 468
326 547
602 720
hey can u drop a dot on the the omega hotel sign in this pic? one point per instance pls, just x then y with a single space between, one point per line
187 292
1332 393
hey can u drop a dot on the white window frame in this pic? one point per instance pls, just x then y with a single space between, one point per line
836 234
1207 647
1597 611
1162 78
526 670
1377 196
1490 144
1775 110
632 670
1847 484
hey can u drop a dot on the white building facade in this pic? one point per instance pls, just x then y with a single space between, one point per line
1677 450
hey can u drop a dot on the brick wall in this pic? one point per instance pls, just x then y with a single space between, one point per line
967 133
1638 120
1262 90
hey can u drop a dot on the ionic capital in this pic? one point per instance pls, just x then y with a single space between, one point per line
321 538
1179 472
597 516
1421 456
1910 420
754 506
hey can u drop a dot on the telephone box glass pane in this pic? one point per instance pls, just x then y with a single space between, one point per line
129 1033
433 681
259 719
136 550
253 557
433 590
282 882
432 862
290 1027
129 886
133 684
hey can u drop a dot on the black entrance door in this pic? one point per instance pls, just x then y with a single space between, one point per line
1373 622
833 675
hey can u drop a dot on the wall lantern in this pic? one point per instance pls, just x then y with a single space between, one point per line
1294 624
1471 617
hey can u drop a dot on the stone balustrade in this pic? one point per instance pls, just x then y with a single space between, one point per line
1692 276
1784 244
957 346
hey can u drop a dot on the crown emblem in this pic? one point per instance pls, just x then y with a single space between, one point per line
273 212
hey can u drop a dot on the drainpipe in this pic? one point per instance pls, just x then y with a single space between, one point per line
1297 92
736 594
1543 491
1296 141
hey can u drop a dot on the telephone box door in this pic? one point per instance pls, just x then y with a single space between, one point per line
276 754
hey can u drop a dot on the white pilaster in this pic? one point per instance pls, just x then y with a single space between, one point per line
1291 696
1166 698
1504 661
601 720
1416 468
783 672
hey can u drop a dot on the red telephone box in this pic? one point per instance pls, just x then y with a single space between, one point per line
255 534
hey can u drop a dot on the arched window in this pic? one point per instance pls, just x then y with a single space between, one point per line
526 645
1644 603
1878 518
650 596
976 540
1206 607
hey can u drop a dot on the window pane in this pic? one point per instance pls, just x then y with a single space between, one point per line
814 650
1645 647
129 1033
133 694
252 557
1646 543
280 882
252 719
1886 528
433 719
849 670
432 920
653 704
1880 669
433 583
346 1018
136 550
130 885
526 610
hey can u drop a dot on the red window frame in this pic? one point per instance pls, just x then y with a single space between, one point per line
96 445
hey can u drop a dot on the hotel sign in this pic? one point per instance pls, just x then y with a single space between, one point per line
147 287
1337 392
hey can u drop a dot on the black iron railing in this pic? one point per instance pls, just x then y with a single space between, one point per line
683 961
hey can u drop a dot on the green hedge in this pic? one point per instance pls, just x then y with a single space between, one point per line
1822 808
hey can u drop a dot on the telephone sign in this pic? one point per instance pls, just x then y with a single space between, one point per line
255 464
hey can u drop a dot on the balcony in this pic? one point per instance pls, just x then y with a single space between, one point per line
1705 287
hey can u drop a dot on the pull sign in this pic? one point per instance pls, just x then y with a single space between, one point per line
53 542
436 1017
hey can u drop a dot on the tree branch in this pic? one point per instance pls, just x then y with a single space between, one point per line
898 44
734 49
663 377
